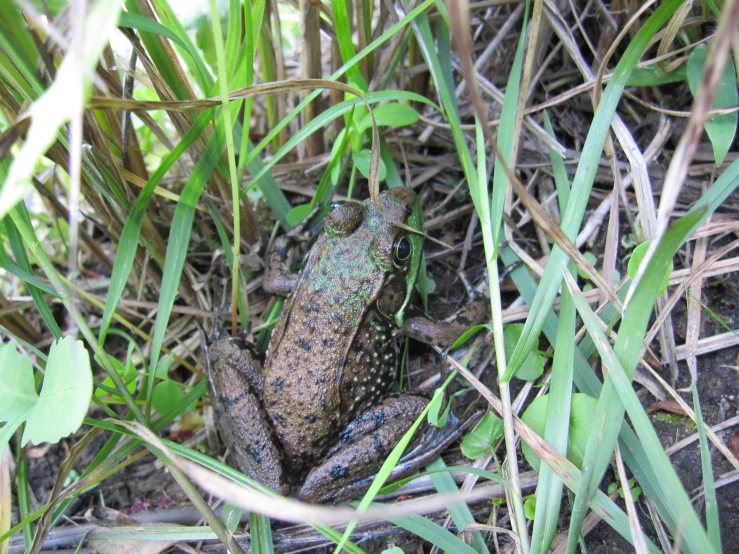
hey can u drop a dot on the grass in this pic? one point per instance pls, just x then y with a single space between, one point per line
249 123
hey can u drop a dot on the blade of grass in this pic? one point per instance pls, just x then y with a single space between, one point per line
609 412
583 181
194 60
709 484
260 533
556 431
179 238
343 29
226 114
433 533
460 513
16 243
619 378
7 265
129 240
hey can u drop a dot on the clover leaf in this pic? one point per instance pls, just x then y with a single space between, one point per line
65 395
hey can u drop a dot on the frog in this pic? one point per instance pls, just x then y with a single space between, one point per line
317 412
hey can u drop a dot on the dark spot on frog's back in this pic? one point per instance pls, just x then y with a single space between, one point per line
328 342
279 418
278 384
312 418
338 318
378 446
306 345
338 471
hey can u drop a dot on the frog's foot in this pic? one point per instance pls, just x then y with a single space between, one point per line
235 384
349 468
444 333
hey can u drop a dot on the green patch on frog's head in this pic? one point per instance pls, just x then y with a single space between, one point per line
399 250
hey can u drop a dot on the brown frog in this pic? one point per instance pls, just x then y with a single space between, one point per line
319 405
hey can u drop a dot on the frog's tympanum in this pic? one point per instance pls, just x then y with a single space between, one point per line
317 413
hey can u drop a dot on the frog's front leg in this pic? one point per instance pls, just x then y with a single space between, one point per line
235 380
444 333
349 468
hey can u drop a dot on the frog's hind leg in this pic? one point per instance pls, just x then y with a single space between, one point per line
241 418
349 468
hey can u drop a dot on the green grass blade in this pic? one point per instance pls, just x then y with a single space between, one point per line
433 533
619 377
19 251
583 181
460 513
129 20
179 238
261 534
194 60
609 413
709 484
556 433
7 264
586 381
159 56
343 28
129 241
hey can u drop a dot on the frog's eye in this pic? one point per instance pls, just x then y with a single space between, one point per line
335 205
402 250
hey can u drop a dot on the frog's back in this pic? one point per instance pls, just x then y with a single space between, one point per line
332 352
311 341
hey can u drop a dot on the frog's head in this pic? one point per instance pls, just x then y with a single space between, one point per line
374 235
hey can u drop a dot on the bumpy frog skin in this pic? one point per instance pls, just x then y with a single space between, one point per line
319 405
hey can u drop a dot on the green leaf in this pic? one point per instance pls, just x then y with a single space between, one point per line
128 374
131 20
635 261
166 394
390 115
653 75
162 371
529 507
436 416
362 161
65 396
533 367
298 214
479 441
17 390
581 419
393 550
592 258
720 129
